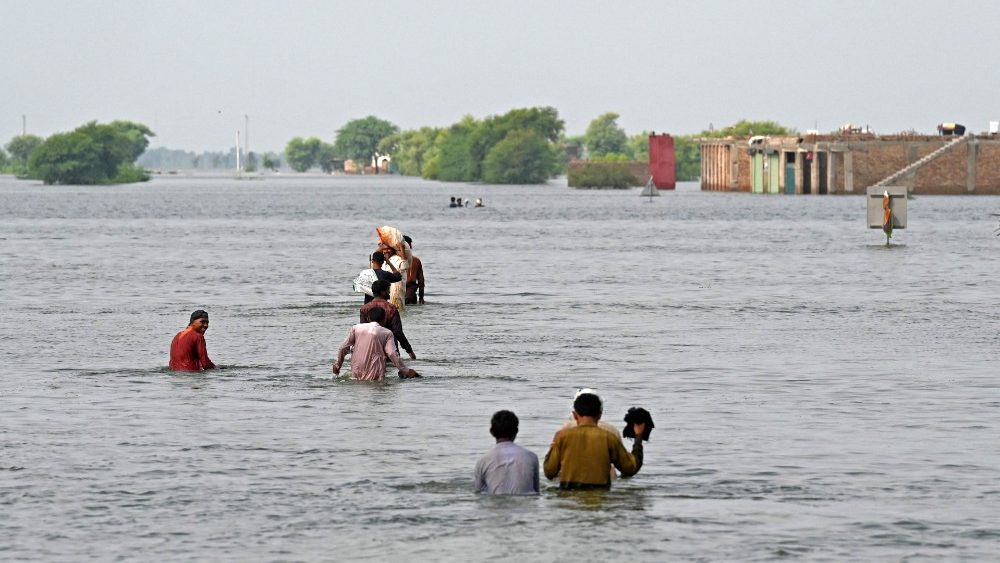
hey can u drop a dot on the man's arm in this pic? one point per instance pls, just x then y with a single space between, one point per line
390 351
393 274
203 359
420 282
348 342
396 326
479 477
626 463
553 458
535 473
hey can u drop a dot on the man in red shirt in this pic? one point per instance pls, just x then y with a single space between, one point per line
188 351
391 320
414 278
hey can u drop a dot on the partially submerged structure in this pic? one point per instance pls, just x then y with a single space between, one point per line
851 162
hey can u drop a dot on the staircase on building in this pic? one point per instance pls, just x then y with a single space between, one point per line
914 166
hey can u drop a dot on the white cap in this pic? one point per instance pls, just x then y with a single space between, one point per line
584 391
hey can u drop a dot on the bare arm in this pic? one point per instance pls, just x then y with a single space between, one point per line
342 352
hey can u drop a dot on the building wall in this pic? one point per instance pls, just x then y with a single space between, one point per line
872 160
988 168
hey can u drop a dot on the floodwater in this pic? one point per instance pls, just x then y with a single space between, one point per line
816 394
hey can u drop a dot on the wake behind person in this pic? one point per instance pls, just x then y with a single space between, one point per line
580 456
369 344
188 351
507 469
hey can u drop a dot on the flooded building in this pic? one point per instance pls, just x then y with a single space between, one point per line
849 163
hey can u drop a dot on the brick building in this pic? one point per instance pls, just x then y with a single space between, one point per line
849 163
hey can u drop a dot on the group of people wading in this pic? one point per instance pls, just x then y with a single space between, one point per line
584 454
395 279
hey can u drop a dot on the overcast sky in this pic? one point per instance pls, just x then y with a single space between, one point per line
191 70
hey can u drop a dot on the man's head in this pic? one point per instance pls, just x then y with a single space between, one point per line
503 425
588 404
199 321
380 288
376 315
377 260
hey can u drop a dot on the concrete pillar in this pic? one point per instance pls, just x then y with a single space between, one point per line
848 172
814 172
972 150
831 165
781 171
799 173
733 173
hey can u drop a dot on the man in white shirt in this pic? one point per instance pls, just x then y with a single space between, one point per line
507 469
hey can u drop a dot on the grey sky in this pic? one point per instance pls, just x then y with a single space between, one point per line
191 70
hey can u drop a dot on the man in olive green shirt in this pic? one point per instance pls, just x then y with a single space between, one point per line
580 456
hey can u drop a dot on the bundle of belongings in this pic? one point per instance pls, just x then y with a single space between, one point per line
638 415
391 238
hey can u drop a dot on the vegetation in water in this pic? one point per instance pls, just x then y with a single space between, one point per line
93 153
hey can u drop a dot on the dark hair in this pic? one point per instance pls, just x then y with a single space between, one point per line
503 425
408 240
379 287
588 404
376 314
378 257
199 314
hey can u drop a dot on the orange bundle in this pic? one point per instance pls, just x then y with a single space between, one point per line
393 238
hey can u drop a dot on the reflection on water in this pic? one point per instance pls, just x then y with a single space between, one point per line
816 394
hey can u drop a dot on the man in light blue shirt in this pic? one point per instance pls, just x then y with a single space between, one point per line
507 469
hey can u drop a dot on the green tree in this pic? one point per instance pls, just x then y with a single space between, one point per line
69 158
134 139
358 139
326 158
638 146
21 147
604 136
93 153
454 159
409 149
4 160
269 162
522 157
302 154
687 153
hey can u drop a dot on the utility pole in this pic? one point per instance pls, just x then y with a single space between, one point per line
24 125
246 137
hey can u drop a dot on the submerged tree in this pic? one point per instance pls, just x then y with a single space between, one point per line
604 136
302 154
359 139
21 147
522 157
93 153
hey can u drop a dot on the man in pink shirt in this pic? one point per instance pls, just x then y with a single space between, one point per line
371 343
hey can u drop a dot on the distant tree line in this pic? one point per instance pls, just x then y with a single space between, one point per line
522 146
162 158
93 153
